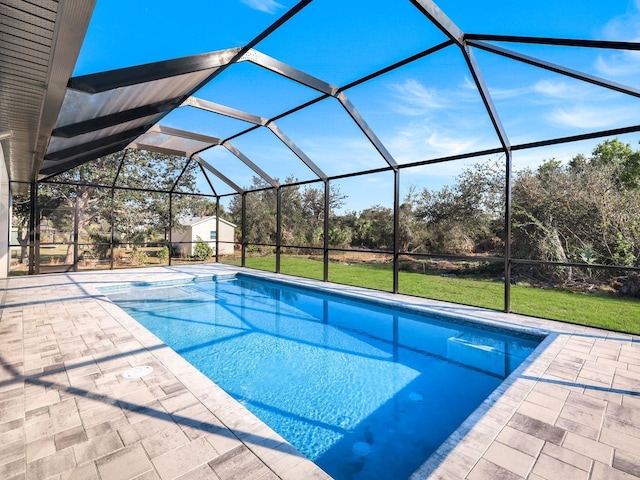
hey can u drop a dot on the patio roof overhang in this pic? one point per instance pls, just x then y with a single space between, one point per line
39 44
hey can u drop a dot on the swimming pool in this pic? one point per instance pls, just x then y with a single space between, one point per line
363 390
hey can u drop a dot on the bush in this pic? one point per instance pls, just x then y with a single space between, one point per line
628 285
119 256
163 255
138 257
102 244
202 250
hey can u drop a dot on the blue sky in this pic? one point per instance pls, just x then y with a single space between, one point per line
427 109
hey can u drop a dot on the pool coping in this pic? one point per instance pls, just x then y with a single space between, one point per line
554 390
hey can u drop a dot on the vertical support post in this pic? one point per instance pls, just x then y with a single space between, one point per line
34 224
278 226
507 232
244 229
76 234
113 208
325 246
396 228
170 225
112 218
6 209
218 229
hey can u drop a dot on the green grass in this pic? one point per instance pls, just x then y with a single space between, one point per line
305 268
597 310
467 291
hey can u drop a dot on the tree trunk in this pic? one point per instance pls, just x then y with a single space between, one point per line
22 241
553 250
69 258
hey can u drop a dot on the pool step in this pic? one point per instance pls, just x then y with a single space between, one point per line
476 352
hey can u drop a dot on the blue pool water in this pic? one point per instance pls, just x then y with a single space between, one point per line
361 389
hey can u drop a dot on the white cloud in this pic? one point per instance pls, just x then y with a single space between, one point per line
447 144
560 89
622 28
417 141
413 98
591 117
373 179
467 84
619 64
496 93
267 6
546 87
445 121
507 93
336 154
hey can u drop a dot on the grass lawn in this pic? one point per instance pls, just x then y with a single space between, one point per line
596 310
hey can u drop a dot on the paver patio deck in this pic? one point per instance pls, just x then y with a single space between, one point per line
66 412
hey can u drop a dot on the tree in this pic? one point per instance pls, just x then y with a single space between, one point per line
86 199
586 211
139 215
261 210
20 209
537 206
459 217
623 163
293 229
302 210
374 228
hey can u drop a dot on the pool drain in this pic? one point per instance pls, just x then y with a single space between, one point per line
361 449
138 372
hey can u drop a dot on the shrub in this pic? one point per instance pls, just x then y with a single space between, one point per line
163 255
119 255
138 257
202 250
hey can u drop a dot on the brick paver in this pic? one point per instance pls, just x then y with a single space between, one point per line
66 411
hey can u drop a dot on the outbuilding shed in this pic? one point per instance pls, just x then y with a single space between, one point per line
196 229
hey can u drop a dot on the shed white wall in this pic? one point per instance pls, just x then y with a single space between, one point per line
227 234
203 230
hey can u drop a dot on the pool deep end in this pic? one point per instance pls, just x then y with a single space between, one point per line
364 390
